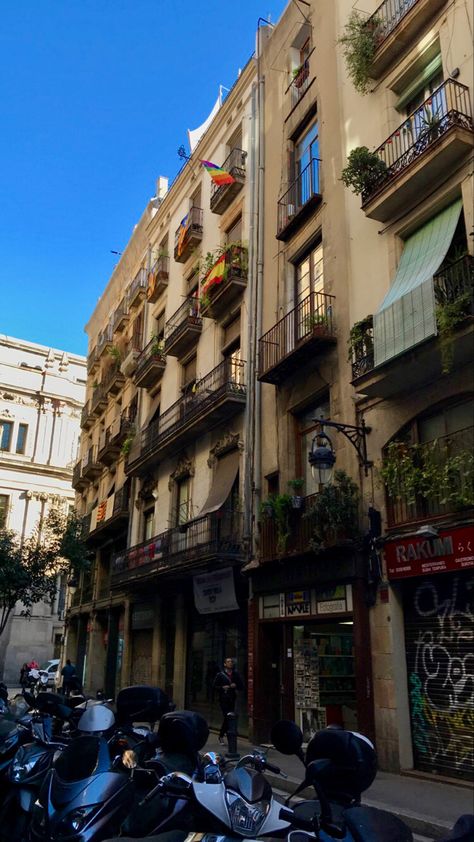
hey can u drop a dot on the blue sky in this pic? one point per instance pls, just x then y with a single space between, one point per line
96 97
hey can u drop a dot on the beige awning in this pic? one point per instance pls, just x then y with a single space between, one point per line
222 482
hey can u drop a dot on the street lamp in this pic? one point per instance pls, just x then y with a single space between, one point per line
322 457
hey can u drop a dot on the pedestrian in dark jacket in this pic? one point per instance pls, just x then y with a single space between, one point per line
24 672
227 683
68 673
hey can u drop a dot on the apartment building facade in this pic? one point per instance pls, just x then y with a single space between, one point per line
41 396
370 631
161 472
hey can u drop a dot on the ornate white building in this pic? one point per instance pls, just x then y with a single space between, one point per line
41 396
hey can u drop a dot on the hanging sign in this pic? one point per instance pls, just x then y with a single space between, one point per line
214 592
452 549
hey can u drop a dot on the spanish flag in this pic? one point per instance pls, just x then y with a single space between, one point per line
218 175
215 275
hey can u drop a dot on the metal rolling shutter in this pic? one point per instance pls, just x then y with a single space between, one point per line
439 636
142 642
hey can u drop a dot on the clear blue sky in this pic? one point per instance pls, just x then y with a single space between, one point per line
96 97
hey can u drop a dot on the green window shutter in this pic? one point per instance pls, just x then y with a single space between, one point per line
419 82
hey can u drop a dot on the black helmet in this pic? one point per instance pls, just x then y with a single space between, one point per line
182 731
353 763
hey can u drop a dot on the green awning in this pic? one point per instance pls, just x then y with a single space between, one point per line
407 313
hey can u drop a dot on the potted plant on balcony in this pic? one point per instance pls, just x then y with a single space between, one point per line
316 323
127 442
359 42
431 124
363 171
300 74
449 314
361 342
335 513
277 507
296 485
157 347
115 353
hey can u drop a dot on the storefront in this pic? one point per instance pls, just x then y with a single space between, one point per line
436 579
310 657
141 638
217 621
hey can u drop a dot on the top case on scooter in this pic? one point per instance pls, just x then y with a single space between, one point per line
367 824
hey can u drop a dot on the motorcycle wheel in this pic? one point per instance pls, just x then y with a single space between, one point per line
14 822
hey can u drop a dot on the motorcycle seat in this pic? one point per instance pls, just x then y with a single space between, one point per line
368 824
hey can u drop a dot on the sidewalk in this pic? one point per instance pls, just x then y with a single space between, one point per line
428 807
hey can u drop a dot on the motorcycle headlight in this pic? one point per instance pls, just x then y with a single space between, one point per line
75 821
246 819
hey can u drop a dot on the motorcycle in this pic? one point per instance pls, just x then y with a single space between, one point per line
90 789
15 729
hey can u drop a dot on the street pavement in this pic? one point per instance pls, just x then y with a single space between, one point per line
429 807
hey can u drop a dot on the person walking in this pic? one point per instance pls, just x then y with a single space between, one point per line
24 672
68 673
227 683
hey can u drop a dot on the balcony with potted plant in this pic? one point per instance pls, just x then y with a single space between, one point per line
158 277
308 329
394 26
183 328
150 364
431 141
188 235
299 201
223 194
112 439
113 379
224 281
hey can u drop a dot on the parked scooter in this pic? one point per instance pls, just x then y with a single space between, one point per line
90 790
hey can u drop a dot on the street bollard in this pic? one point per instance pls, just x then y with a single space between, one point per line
232 721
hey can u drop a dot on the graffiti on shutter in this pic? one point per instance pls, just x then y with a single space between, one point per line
439 626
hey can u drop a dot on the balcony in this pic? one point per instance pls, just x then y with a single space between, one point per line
130 359
91 467
299 84
150 365
79 482
188 235
137 289
183 329
108 519
298 543
121 316
219 298
98 400
447 462
112 440
300 201
304 332
92 361
420 364
223 194
105 341
428 144
158 279
215 399
395 23
185 548
113 380
86 416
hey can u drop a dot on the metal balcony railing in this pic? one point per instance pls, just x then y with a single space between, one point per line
189 311
85 413
90 458
121 314
99 396
312 317
438 457
447 107
152 350
216 534
304 188
121 500
193 226
105 338
76 473
299 84
138 285
161 266
301 528
92 360
455 282
233 164
387 16
227 379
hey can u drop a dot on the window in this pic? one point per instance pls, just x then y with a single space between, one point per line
232 353
192 283
148 523
21 438
307 163
312 306
196 201
137 332
309 274
4 502
306 428
188 375
234 233
160 327
6 429
183 501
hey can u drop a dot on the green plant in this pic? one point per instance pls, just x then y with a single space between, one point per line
363 170
115 353
361 342
359 43
449 314
431 122
157 346
335 512
296 484
278 507
315 320
428 471
127 443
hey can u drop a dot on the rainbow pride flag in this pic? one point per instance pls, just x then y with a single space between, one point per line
218 175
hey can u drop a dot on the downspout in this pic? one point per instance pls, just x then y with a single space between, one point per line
257 468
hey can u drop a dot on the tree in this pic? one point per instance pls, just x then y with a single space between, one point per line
29 571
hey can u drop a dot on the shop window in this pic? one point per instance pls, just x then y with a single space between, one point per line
6 431
21 438
306 430
4 503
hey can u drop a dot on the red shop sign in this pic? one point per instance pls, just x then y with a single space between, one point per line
453 549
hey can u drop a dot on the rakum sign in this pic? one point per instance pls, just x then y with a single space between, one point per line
453 549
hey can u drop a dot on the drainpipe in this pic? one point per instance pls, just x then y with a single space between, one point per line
257 470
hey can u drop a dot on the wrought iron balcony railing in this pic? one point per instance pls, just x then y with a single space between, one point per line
121 315
218 298
223 194
185 323
387 16
99 398
137 289
150 364
86 415
189 234
184 546
295 335
446 108
448 460
92 360
300 83
302 195
301 528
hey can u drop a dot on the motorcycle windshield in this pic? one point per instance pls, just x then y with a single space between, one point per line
96 718
83 758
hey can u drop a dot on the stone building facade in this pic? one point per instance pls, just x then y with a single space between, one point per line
41 396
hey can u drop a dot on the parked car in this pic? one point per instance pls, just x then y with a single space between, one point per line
51 669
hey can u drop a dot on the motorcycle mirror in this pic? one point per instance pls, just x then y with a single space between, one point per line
287 738
130 759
